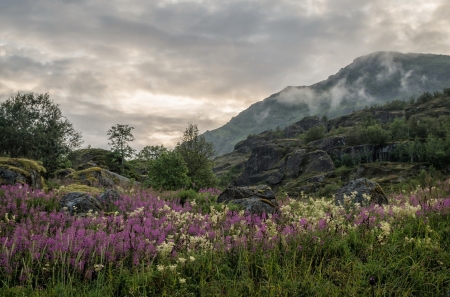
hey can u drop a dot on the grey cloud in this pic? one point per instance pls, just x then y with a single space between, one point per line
224 54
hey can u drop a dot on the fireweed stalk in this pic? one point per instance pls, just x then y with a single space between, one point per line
37 239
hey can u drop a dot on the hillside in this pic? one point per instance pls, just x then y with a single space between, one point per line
372 79
390 144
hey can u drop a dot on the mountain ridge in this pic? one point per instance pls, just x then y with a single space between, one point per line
371 79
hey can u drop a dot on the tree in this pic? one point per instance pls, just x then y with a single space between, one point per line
315 133
119 136
32 126
197 153
169 172
151 152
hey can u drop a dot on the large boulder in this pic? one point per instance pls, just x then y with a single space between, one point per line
108 198
256 199
318 161
94 157
99 177
79 203
359 188
262 166
294 163
23 171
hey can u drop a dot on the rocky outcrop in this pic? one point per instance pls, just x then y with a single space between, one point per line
94 157
263 165
359 188
258 199
302 126
23 171
294 164
79 203
108 198
96 176
318 161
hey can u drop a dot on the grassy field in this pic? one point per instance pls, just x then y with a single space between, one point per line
152 246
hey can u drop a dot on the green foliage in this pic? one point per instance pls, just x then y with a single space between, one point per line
33 127
315 133
197 154
376 135
187 195
151 152
399 129
119 136
229 176
169 172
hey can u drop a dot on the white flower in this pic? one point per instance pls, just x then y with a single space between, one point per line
182 280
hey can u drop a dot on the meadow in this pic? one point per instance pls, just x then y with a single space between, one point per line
150 245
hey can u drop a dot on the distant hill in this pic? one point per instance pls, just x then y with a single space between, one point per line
371 79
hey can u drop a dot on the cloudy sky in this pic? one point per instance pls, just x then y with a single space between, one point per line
159 64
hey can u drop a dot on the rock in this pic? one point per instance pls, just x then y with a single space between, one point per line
79 203
93 157
294 164
62 173
108 197
98 177
256 200
329 143
362 186
318 161
234 193
255 205
262 159
23 171
302 126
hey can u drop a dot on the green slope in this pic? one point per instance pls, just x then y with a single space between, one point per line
372 79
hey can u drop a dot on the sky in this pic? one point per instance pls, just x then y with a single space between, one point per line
158 65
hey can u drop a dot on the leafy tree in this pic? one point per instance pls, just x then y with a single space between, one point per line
151 152
399 129
32 126
197 153
376 135
119 136
169 172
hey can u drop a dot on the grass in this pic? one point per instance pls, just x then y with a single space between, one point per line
156 247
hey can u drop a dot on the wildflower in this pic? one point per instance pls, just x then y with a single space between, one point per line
172 267
160 267
191 258
182 260
98 267
182 280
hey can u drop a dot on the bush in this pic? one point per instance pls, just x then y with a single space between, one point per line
315 133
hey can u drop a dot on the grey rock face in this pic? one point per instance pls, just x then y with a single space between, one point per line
23 171
294 164
108 197
318 161
79 203
362 186
301 126
255 205
256 199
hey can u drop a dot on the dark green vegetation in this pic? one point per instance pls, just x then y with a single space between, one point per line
33 127
197 153
379 77
392 144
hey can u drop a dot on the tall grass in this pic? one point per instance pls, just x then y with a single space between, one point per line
156 247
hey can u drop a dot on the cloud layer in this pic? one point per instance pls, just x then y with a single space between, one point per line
158 65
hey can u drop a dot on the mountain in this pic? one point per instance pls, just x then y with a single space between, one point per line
391 144
372 79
